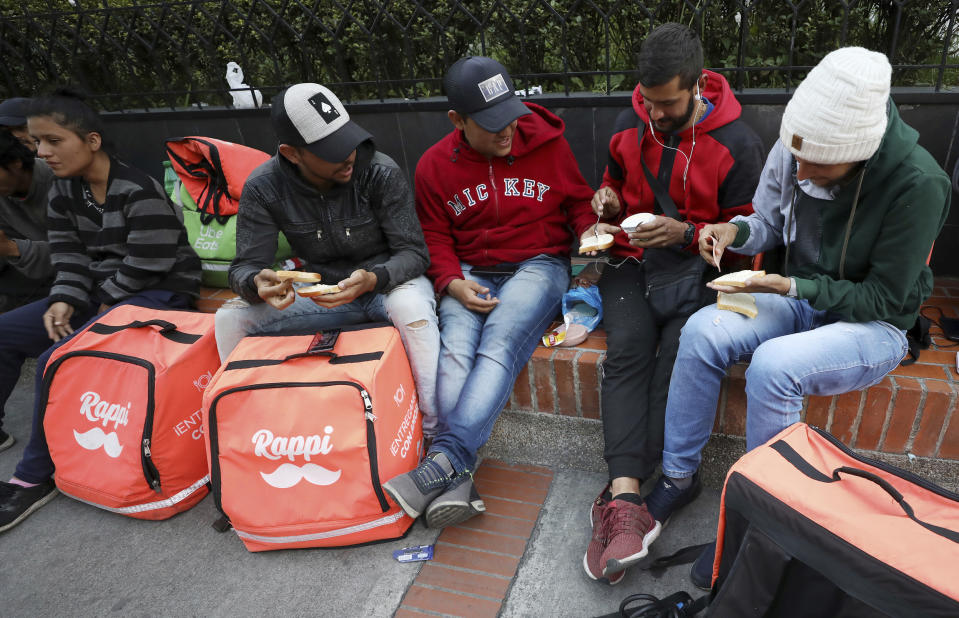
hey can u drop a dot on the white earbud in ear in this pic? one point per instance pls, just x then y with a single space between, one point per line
698 96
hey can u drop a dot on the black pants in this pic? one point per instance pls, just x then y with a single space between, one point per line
639 361
17 290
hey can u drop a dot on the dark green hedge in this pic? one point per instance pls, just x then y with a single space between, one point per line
134 53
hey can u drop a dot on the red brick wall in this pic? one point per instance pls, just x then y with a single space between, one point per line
913 410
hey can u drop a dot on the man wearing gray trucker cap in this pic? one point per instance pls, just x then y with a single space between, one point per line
348 213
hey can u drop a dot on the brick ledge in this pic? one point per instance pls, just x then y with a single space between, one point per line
911 411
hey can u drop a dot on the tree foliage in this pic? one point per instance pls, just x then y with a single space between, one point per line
142 53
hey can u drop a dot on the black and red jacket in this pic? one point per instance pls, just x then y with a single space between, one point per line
722 176
501 210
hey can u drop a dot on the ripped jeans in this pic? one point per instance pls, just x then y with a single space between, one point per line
408 304
793 350
484 352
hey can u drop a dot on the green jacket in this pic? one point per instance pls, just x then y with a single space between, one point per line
900 209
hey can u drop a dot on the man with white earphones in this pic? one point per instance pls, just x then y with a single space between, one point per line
683 158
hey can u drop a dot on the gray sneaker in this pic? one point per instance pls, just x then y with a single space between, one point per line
458 503
415 489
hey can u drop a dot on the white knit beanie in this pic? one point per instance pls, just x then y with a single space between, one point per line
838 113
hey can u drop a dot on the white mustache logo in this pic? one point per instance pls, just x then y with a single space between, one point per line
95 438
288 475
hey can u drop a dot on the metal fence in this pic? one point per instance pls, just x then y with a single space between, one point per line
133 54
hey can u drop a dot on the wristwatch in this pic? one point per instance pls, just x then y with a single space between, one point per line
690 233
792 293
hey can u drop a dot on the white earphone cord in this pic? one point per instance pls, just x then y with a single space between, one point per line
689 159
606 260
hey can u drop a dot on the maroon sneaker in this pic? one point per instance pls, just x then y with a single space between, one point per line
630 530
597 543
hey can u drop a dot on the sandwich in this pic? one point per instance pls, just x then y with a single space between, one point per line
596 243
319 289
285 300
298 276
738 279
740 303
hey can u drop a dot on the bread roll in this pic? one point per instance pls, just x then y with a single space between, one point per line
298 275
596 243
740 303
632 222
318 290
738 279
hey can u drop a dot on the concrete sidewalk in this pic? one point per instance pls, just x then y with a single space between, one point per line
69 558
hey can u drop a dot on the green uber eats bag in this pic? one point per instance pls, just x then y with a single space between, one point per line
214 242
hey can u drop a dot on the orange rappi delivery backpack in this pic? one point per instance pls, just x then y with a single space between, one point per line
121 411
808 527
303 429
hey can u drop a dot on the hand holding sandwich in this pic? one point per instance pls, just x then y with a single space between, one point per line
660 232
358 283
278 292
761 283
597 238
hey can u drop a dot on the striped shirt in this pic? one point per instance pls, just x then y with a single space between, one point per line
137 243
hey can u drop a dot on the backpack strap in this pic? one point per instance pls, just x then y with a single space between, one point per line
666 203
167 330
684 555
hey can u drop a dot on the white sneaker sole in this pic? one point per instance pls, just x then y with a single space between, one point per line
612 579
615 566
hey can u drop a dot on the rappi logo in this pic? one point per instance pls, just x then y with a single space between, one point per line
203 381
99 411
265 444
404 434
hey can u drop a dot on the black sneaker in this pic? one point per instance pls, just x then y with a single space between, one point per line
17 502
458 503
701 572
6 440
414 490
666 498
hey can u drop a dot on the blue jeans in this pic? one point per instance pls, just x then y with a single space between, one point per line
793 350
35 465
409 303
481 354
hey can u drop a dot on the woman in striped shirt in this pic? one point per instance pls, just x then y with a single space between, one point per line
115 239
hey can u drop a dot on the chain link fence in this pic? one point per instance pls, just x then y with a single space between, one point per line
141 55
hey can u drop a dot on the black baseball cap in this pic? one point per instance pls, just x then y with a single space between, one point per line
13 112
480 88
311 116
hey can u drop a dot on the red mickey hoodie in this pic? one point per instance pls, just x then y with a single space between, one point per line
505 209
723 172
